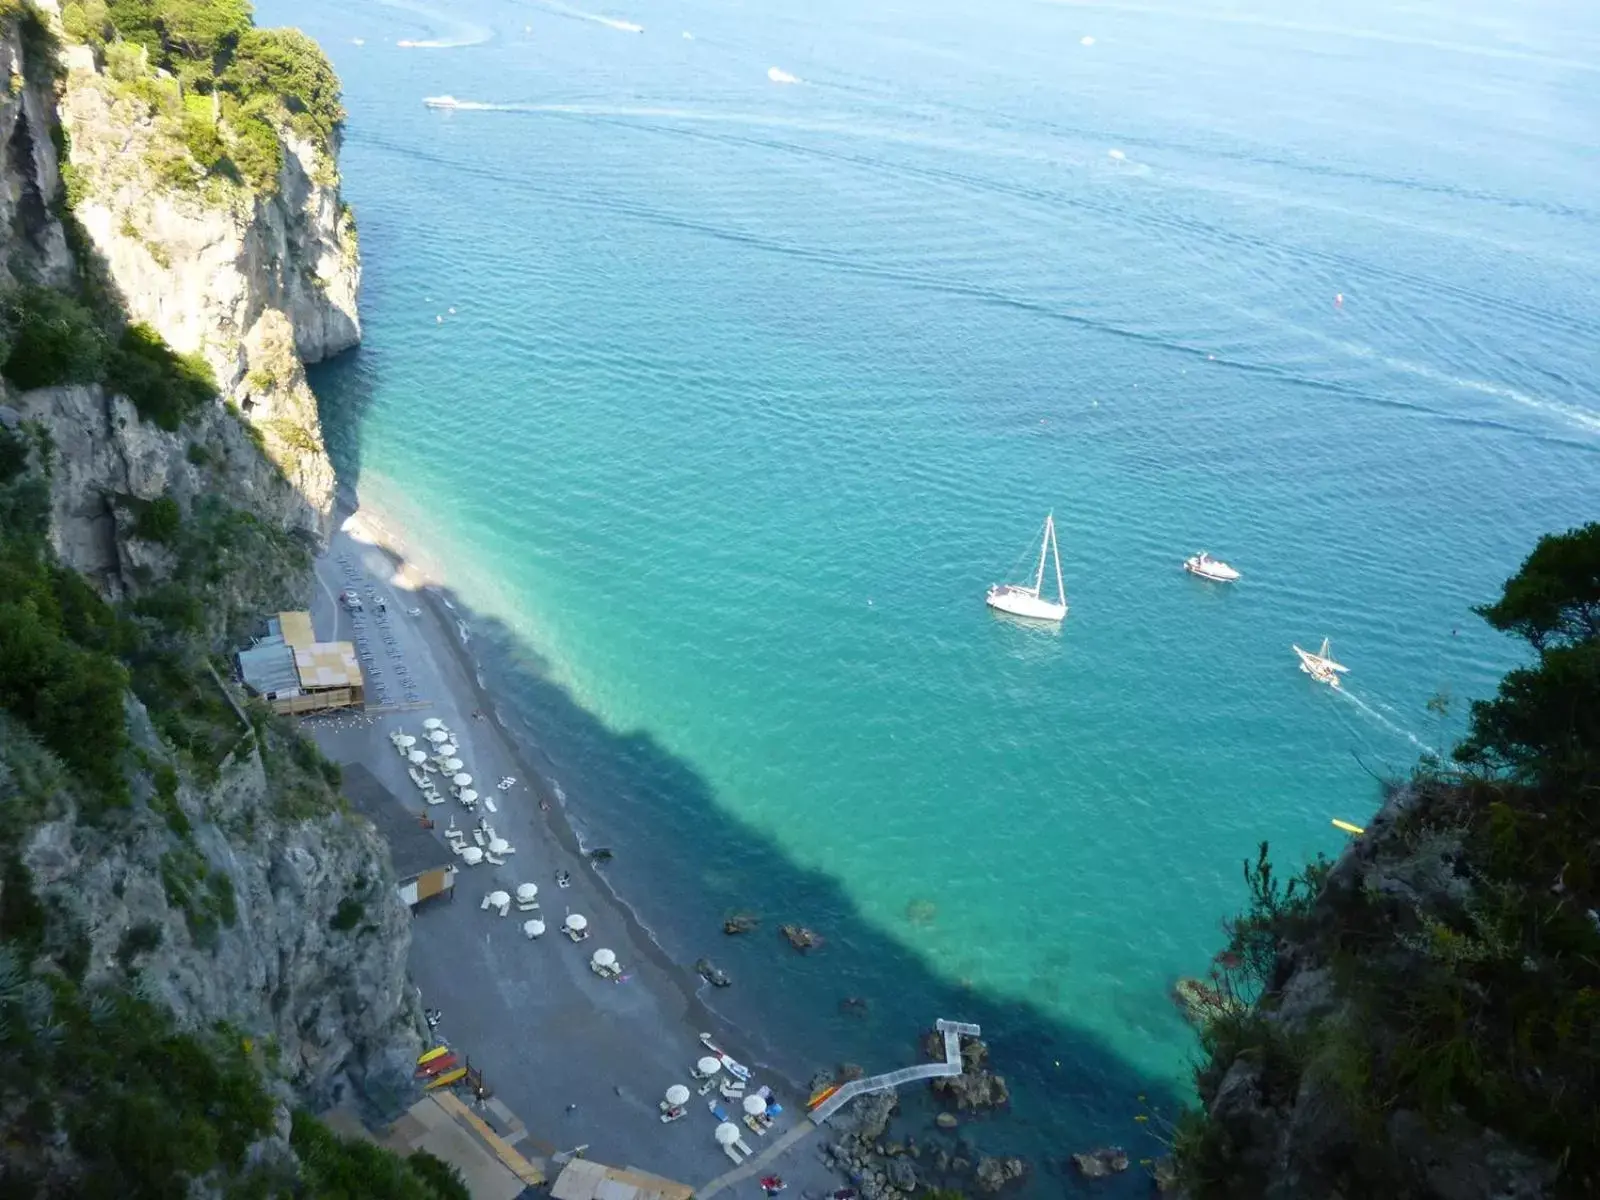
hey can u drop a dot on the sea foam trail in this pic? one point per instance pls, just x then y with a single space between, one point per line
778 75
464 33
597 18
1377 716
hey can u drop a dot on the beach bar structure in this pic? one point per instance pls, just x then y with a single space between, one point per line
585 1179
295 673
423 866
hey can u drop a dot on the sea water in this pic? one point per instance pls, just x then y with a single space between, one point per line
723 355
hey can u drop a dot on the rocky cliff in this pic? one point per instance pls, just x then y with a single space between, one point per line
189 850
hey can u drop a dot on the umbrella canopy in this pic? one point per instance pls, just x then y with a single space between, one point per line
755 1105
498 898
677 1094
453 764
472 856
527 891
432 723
462 779
448 749
406 740
438 735
577 921
533 928
727 1133
708 1065
468 796
417 756
605 958
499 846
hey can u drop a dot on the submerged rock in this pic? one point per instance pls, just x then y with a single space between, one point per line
855 1006
801 938
712 974
992 1174
946 1120
740 923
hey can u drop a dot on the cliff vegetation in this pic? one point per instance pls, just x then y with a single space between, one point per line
1421 1018
175 988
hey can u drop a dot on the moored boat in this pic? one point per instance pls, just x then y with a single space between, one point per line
1027 600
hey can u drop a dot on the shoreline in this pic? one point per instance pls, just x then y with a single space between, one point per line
677 1013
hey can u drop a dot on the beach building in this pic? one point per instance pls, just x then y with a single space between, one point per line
584 1179
445 1127
424 867
296 674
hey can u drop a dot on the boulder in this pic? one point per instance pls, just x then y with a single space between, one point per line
946 1120
992 1174
903 1175
801 938
981 1089
712 974
1098 1164
742 922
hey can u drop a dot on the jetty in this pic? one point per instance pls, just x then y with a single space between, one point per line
833 1101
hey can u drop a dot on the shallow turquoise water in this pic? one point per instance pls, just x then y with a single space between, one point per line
750 390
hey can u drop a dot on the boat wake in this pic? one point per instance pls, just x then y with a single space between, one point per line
1375 715
597 18
778 75
463 33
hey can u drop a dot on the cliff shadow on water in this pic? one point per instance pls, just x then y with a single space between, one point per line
683 863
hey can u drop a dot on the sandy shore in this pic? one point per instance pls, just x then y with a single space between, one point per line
546 1031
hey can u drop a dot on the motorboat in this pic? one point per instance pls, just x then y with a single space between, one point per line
441 102
1206 567
1320 666
1027 600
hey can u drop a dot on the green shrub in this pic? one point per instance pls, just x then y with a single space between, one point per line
165 387
348 915
86 21
288 65
139 938
159 520
256 153
332 1166
13 454
41 51
51 339
203 140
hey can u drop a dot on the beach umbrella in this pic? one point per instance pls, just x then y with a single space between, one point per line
498 845
468 796
432 723
677 1094
438 735
472 856
727 1133
453 764
755 1105
462 779
604 958
708 1065
406 741
527 892
446 750
499 898
533 928
418 757
577 922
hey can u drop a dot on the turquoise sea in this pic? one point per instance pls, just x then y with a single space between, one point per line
722 399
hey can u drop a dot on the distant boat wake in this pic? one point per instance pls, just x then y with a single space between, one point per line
1383 720
596 18
780 76
465 33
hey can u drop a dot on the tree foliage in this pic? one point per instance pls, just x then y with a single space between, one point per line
49 339
165 387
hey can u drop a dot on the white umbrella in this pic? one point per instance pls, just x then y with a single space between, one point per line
453 764
499 898
438 735
527 892
472 856
604 958
446 750
755 1105
499 846
468 796
727 1133
462 779
406 741
677 1094
708 1065
418 757
577 922
533 928
432 723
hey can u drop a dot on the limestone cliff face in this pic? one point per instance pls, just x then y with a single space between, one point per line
259 285
30 181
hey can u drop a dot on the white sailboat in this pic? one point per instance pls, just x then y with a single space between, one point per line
1206 567
1024 600
1320 666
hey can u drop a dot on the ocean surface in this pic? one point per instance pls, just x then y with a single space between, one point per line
721 355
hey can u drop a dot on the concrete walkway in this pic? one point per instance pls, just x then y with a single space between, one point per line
953 1032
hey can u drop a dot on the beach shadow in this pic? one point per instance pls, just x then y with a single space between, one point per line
687 863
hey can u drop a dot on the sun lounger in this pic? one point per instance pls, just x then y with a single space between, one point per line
478 836
493 858
732 1153
755 1126
718 1111
489 803
733 1091
433 798
743 1147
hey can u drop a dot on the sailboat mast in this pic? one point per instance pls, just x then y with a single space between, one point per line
1044 547
1061 587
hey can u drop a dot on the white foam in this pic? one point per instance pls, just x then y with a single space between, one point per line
598 18
778 75
1086 40
1383 720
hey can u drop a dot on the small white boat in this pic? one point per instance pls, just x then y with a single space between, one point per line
1206 567
441 102
1320 666
1025 600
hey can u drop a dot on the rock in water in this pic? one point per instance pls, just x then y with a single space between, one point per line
801 938
992 1174
712 974
946 1121
740 923
1098 1164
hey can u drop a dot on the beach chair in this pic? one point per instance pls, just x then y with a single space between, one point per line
732 1089
433 798
717 1111
754 1126
477 836
743 1147
727 1148
493 858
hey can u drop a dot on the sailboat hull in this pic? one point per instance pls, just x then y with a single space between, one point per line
1021 603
